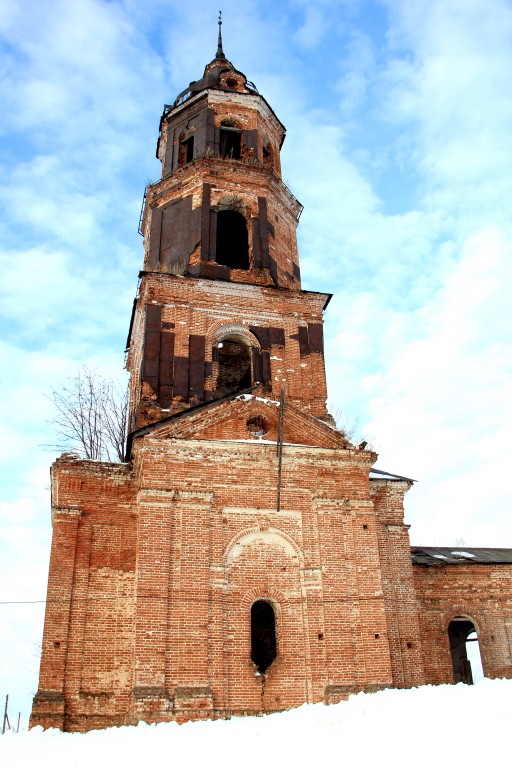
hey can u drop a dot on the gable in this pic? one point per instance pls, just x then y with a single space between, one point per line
248 418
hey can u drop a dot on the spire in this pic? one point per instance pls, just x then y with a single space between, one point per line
220 52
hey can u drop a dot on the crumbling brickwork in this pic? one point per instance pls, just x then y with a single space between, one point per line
180 324
483 594
397 576
86 651
173 551
238 499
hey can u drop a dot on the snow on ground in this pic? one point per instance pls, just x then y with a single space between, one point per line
412 728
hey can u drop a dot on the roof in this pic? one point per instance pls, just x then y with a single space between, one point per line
379 474
141 431
300 428
212 75
459 555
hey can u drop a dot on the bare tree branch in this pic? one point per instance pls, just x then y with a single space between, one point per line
91 416
115 419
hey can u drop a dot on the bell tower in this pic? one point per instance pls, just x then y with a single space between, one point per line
242 560
220 307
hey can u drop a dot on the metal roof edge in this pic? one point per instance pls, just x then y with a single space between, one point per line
391 475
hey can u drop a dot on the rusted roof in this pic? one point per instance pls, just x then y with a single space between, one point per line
459 555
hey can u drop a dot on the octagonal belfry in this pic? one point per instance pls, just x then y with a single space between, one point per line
220 306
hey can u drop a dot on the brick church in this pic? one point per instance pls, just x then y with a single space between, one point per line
247 557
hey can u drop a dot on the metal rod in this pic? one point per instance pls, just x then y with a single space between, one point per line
279 449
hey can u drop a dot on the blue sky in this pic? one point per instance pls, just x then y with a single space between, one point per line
399 122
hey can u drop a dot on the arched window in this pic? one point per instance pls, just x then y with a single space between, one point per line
462 635
232 247
234 360
263 635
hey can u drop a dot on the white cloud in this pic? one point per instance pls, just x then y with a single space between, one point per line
359 67
442 406
451 92
421 353
313 29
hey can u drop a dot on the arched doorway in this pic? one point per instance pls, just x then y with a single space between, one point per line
465 650
263 635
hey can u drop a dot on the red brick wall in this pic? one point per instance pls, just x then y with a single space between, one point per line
87 643
155 567
167 561
482 593
196 307
397 577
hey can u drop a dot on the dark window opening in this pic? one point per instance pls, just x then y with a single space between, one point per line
267 153
234 368
186 151
230 143
232 248
461 631
263 635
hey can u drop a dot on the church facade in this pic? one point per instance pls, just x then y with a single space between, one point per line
247 557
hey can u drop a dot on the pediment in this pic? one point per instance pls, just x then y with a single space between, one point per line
249 418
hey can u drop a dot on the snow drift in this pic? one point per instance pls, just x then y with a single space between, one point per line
418 727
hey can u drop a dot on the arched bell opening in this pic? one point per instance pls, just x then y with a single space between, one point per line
232 247
263 635
234 365
465 651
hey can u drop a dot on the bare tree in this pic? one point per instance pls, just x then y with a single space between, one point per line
352 430
91 416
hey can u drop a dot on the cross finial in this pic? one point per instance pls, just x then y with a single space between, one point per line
220 52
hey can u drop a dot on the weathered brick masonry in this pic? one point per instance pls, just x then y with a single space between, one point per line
246 558
475 584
